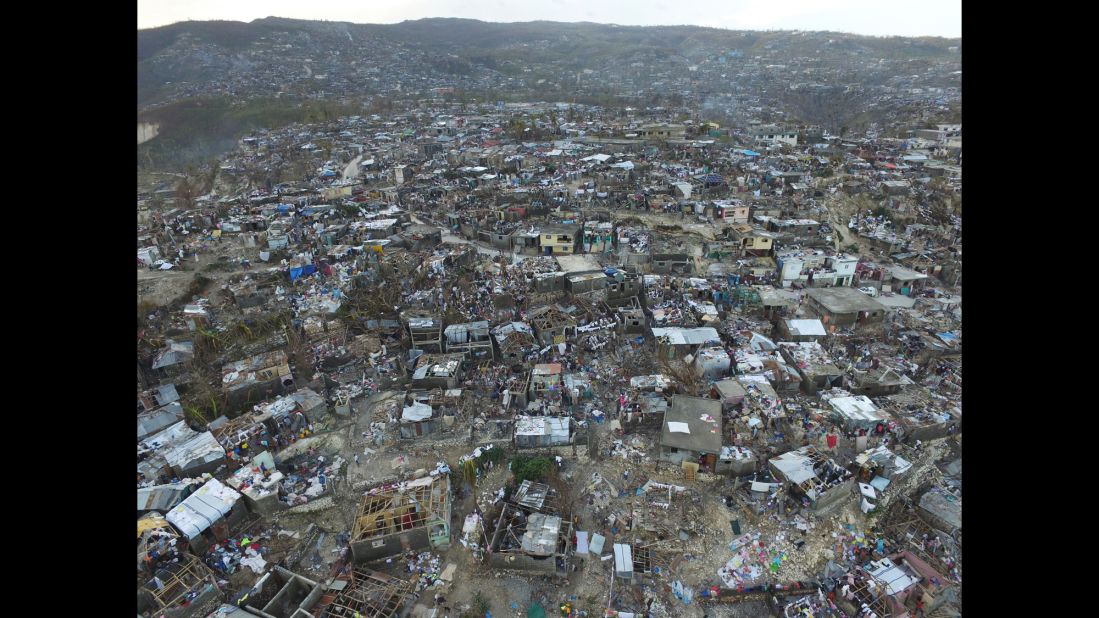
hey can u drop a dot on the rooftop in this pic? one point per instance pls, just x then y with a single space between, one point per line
693 423
844 300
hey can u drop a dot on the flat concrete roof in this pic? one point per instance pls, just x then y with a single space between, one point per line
701 435
578 264
844 300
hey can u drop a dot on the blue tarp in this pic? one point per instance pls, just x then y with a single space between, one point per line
302 271
750 153
285 207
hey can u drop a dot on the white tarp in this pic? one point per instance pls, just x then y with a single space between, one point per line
596 545
201 509
677 427
582 542
796 467
416 412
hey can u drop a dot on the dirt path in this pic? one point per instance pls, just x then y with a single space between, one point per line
351 172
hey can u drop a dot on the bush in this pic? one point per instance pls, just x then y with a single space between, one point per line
530 468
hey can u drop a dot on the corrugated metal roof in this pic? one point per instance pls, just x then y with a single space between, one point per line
623 558
149 423
687 336
159 497
540 537
547 369
197 449
796 467
201 509
858 407
531 495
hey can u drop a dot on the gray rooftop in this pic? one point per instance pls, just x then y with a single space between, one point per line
703 436
844 300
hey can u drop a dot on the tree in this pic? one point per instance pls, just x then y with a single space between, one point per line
209 178
469 474
187 190
534 469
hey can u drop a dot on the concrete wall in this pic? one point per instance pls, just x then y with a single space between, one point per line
295 592
735 468
835 496
927 432
365 551
265 506
522 562
683 455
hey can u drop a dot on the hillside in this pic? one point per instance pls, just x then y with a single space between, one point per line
275 65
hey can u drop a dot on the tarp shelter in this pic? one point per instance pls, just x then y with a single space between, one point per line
807 328
536 611
416 412
595 547
582 542
623 560
302 271
794 466
535 431
201 509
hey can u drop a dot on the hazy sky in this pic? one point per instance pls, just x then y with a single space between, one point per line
872 17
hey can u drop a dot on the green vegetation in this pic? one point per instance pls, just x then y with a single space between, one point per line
530 468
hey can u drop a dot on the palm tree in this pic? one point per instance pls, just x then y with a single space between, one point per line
469 474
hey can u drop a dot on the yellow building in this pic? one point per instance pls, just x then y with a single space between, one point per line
751 239
559 240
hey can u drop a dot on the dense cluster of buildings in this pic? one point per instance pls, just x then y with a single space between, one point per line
375 317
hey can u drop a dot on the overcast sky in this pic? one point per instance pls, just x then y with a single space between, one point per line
871 17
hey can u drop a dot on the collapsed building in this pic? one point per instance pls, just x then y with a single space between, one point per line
530 535
818 480
402 516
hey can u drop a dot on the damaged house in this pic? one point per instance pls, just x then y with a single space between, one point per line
530 535
419 419
470 339
366 593
813 364
545 380
437 371
208 515
425 330
678 343
543 431
179 451
515 341
853 411
283 594
552 325
404 516
821 482
256 378
176 589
